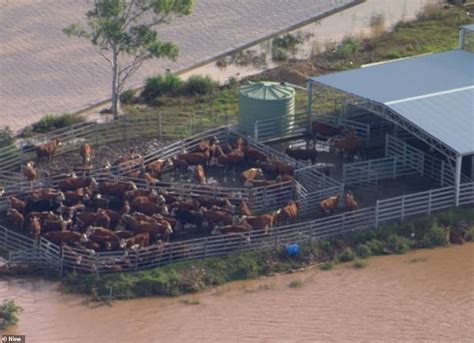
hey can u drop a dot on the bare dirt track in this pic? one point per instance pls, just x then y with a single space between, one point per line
44 71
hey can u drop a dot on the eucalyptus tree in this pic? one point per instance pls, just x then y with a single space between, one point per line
124 31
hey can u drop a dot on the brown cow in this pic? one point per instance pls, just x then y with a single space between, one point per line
200 175
217 216
130 195
150 208
86 154
130 155
56 223
249 175
153 228
116 189
47 194
231 159
99 218
77 196
70 211
302 154
348 144
234 228
73 182
47 150
208 202
328 205
263 222
60 237
138 241
349 202
34 227
253 155
156 168
17 204
195 158
16 218
325 130
239 144
29 171
287 213
2 191
244 209
180 166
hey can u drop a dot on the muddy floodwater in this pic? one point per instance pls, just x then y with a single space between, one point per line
425 295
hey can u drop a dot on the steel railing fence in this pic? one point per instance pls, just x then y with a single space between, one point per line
162 126
397 208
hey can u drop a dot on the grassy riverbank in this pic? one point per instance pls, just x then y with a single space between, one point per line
193 276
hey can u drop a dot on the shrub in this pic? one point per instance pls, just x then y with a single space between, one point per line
51 122
326 266
397 244
199 85
393 54
158 85
348 47
9 313
282 45
376 246
127 97
346 255
358 264
363 251
6 137
436 236
295 284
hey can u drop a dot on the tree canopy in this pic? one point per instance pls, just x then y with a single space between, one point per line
124 33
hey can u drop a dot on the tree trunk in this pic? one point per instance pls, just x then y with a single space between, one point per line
115 87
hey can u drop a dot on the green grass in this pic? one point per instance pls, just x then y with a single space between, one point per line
9 312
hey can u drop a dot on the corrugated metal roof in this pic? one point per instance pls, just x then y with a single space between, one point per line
434 92
468 27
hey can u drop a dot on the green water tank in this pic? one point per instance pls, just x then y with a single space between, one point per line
271 102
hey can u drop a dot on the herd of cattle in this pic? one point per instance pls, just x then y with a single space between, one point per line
109 215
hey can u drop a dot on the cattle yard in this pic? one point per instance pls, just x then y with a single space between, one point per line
145 238
370 160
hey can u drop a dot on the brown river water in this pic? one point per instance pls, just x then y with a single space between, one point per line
425 295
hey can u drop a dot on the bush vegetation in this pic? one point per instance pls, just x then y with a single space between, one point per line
295 284
52 122
193 276
127 97
9 312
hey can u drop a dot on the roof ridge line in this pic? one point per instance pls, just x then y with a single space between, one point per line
455 90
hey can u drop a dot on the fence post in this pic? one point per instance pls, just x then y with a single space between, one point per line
276 237
377 214
205 247
170 253
256 130
125 128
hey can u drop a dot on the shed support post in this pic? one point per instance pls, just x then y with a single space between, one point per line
472 168
461 39
457 179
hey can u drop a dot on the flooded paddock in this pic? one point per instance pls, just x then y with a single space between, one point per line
424 295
